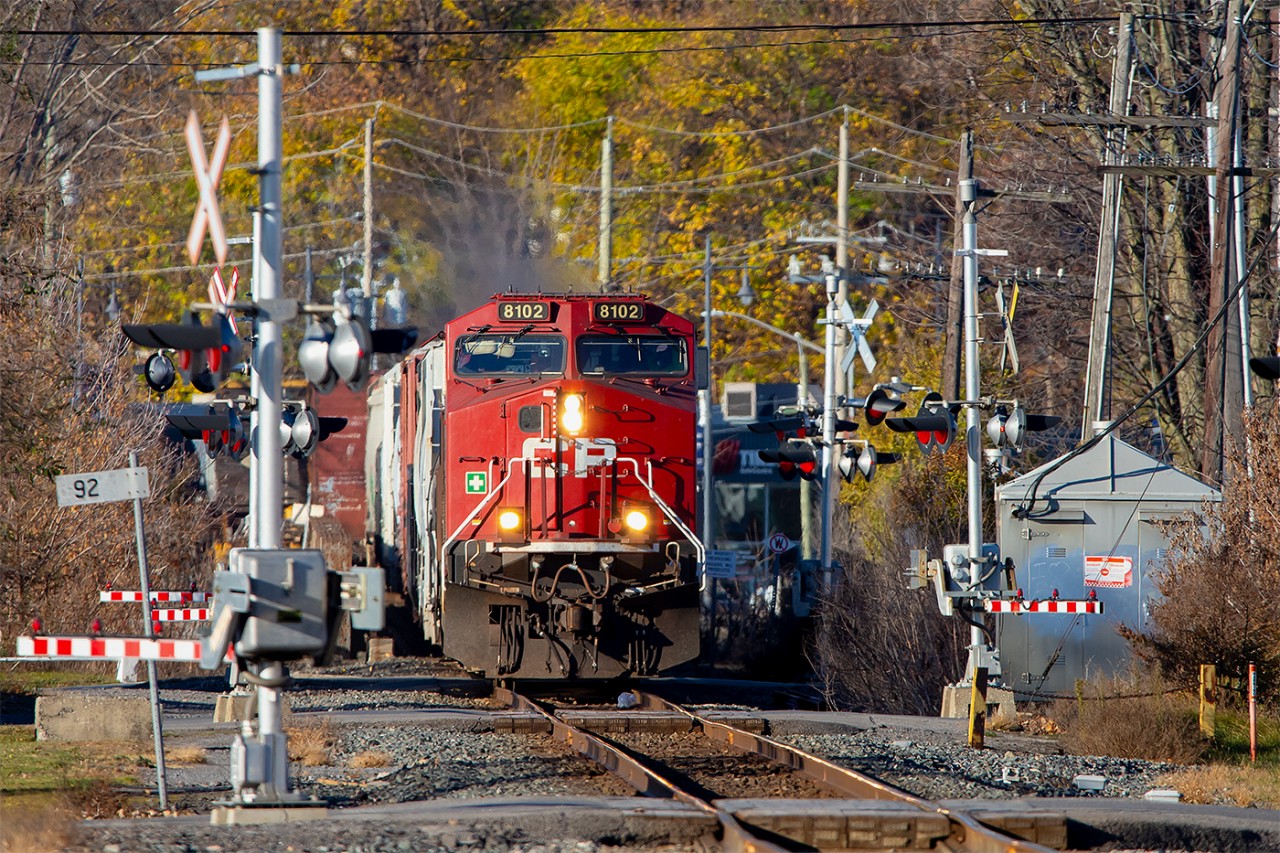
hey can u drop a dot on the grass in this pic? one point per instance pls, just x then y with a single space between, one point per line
1228 784
1144 719
45 787
369 758
30 681
312 744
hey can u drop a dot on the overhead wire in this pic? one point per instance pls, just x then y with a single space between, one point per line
1025 507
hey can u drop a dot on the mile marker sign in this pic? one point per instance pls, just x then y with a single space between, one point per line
99 487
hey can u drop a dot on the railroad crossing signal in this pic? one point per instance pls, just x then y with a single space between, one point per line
328 353
208 176
934 425
1268 367
864 461
1009 426
205 353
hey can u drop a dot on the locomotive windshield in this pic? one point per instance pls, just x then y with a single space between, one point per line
642 355
508 355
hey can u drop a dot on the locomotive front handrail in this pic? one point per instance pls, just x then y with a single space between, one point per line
453 537
698 547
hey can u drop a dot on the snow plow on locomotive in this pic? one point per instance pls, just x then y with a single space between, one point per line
532 481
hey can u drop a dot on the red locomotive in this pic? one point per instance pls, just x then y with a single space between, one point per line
532 481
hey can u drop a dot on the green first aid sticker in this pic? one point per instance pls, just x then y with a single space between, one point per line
477 482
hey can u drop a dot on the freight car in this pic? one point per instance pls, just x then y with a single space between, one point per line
532 484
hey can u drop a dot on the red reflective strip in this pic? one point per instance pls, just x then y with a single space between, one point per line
98 648
62 647
132 648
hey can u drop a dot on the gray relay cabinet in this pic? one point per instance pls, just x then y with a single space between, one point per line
1094 527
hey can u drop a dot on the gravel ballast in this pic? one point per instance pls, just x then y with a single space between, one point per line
399 764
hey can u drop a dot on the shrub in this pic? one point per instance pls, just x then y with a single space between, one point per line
1130 718
1221 592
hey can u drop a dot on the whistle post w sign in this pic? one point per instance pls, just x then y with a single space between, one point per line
208 176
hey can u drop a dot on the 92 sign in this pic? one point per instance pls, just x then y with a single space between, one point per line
99 487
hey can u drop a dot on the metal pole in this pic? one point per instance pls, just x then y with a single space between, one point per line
366 276
973 430
842 255
267 361
806 486
708 503
604 270
157 732
829 480
267 444
255 388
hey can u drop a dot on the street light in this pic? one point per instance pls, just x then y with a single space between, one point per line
114 309
802 400
746 296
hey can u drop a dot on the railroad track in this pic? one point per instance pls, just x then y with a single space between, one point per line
767 796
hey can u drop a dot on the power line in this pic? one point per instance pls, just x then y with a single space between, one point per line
556 31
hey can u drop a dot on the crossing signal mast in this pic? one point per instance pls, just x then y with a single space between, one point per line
970 579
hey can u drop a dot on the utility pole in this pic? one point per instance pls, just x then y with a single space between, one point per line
604 269
1226 367
1096 407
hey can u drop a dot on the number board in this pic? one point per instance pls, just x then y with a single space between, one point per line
618 312
101 487
524 312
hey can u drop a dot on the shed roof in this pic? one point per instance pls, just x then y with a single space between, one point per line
1111 470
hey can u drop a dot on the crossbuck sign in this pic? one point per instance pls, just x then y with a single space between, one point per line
208 176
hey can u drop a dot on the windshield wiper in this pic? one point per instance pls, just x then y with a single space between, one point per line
520 334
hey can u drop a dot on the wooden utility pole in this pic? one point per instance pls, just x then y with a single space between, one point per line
604 261
1224 376
1096 406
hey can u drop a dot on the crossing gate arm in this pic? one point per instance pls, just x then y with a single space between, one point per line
1054 605
54 647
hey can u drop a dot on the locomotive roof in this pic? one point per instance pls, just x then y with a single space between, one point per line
569 296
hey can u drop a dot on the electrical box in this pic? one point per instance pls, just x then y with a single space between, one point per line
955 577
288 602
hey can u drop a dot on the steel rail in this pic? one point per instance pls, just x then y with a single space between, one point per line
735 837
972 835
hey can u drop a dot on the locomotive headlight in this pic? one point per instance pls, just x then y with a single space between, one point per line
572 412
635 522
509 520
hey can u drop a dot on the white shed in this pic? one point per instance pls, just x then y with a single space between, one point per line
1089 525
